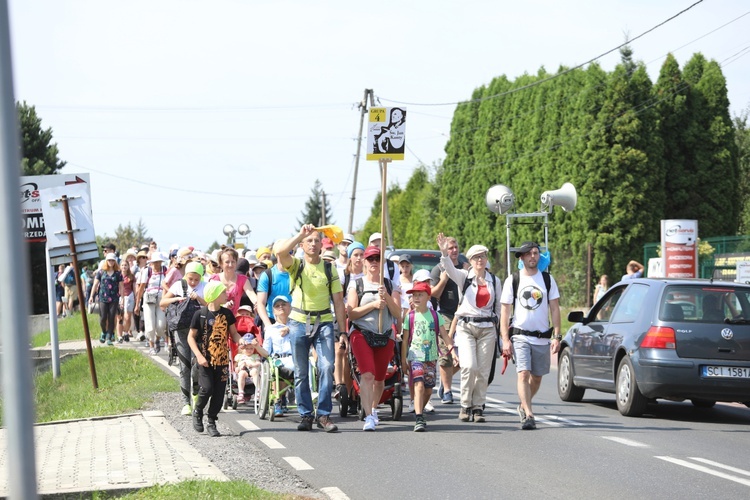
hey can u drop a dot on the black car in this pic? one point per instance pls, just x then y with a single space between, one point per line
661 338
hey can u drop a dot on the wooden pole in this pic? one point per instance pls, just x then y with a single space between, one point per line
383 207
81 293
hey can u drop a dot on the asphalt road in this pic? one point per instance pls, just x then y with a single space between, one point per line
580 450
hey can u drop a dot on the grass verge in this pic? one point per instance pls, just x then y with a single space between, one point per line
70 328
200 490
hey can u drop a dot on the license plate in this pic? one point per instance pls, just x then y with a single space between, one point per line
725 371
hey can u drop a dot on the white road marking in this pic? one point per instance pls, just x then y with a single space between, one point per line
626 442
298 463
721 466
701 468
334 493
552 420
271 443
248 425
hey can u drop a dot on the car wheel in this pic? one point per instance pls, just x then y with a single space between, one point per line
567 390
630 401
703 403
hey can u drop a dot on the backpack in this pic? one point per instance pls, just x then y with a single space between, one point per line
517 278
435 321
70 279
327 267
360 287
391 266
467 284
180 314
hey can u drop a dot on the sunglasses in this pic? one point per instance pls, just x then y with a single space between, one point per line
373 258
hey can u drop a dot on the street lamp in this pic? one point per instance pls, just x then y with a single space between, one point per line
243 230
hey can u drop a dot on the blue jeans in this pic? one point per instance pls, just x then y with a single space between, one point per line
323 342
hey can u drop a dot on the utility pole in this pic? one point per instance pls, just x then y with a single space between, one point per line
323 210
363 111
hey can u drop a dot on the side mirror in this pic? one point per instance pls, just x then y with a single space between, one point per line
575 316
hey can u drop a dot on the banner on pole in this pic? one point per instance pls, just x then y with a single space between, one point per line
679 243
386 133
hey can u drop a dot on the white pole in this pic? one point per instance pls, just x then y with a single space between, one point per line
53 336
18 406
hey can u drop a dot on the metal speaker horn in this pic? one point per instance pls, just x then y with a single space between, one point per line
500 199
565 197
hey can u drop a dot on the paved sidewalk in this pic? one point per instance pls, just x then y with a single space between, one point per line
110 453
121 452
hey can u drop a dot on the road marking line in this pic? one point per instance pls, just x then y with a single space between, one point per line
298 463
271 443
552 420
334 493
701 468
626 442
721 466
248 425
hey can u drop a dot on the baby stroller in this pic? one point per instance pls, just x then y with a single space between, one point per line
392 393
231 397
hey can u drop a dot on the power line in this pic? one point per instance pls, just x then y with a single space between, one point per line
539 82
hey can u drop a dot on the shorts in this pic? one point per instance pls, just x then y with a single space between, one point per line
129 302
371 359
423 371
531 357
71 292
445 360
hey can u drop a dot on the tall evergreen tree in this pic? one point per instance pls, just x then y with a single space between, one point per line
742 140
39 156
313 211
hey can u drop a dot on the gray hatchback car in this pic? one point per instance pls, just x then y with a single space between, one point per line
661 338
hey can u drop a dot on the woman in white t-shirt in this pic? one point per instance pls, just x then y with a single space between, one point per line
149 293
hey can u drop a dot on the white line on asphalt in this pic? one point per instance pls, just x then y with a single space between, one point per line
271 443
552 420
298 463
701 468
248 425
721 466
334 493
626 442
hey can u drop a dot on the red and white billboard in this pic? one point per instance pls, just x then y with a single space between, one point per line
679 244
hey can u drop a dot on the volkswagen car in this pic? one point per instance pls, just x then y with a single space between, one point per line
672 339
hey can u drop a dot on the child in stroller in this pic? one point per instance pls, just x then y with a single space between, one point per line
247 363
246 327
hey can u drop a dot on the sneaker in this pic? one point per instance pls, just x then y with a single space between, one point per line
529 423
198 421
521 413
353 407
142 338
109 341
324 422
103 338
447 398
152 352
195 400
429 408
478 415
375 416
306 423
278 411
411 408
186 410
369 423
463 415
211 428
126 337
441 391
157 348
421 424
120 340
241 399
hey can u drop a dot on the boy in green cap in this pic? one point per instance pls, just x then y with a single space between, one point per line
209 332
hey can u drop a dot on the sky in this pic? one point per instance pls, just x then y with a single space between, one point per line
190 115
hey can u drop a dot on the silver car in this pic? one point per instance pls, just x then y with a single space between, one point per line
661 338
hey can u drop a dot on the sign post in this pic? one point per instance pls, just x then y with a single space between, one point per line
679 243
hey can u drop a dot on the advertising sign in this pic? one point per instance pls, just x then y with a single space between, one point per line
386 133
743 271
679 243
31 205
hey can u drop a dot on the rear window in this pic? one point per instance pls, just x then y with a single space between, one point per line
424 261
704 304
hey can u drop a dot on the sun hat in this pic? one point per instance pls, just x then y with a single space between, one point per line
354 246
476 250
372 251
329 255
194 267
373 237
214 256
348 238
525 247
420 286
158 257
111 256
262 264
213 290
142 254
422 275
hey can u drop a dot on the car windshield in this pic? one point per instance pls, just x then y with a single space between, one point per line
705 303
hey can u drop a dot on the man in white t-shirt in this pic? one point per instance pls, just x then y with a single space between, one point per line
537 298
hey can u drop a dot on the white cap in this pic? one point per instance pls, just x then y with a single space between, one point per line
422 275
373 237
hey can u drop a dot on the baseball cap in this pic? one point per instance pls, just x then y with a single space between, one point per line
405 258
248 337
110 256
327 243
371 251
422 275
420 286
527 246
246 308
373 237
285 298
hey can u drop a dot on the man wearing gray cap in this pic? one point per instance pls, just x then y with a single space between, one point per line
530 297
